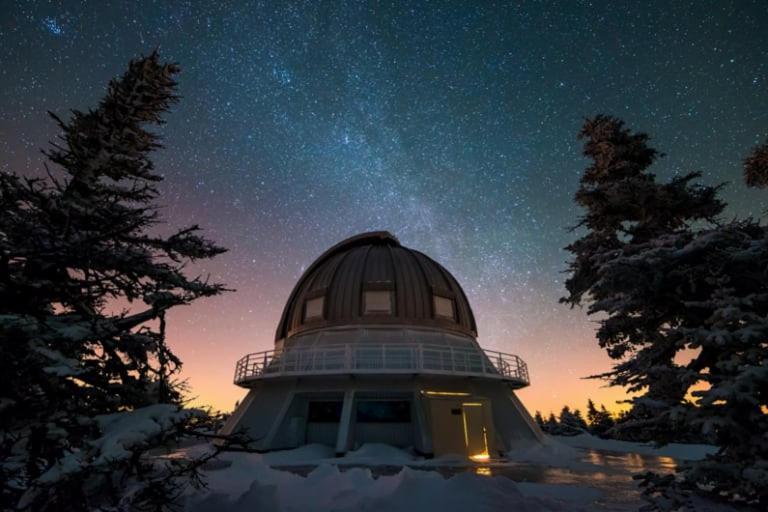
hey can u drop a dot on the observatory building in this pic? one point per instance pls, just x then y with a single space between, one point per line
378 344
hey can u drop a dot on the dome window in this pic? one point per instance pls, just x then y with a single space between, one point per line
313 308
377 302
444 307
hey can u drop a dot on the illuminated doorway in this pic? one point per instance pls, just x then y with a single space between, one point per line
461 426
475 431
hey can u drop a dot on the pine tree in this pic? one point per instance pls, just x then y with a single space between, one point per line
571 422
627 212
600 421
579 420
551 427
539 420
671 280
606 421
592 412
756 167
85 285
731 357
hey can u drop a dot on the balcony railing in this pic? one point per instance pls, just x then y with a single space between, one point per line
382 358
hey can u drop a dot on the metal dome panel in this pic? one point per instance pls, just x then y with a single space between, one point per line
375 261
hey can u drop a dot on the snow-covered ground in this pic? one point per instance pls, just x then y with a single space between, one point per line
566 474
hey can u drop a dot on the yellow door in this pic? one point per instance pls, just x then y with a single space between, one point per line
475 431
447 427
461 427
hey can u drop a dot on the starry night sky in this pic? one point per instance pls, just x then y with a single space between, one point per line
451 124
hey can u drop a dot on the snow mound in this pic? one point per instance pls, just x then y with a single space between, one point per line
124 432
249 484
678 451
551 454
306 454
377 453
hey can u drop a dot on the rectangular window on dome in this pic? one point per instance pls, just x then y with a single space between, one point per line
377 302
313 309
444 307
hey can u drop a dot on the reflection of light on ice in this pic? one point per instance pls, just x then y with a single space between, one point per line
633 461
484 471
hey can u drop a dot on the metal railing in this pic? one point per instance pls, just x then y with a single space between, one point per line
380 358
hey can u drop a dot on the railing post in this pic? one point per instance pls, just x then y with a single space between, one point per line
419 358
383 357
347 357
453 359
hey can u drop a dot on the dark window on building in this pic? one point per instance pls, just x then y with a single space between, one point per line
444 307
383 411
325 411
313 309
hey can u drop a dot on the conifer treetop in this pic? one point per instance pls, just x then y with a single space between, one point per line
756 167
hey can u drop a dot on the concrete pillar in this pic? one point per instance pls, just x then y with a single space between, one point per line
344 439
424 438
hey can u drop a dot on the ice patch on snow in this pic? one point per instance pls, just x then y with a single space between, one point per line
574 494
677 451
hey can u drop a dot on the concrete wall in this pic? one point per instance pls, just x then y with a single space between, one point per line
256 415
274 413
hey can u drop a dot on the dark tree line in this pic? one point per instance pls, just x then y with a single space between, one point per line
682 296
571 422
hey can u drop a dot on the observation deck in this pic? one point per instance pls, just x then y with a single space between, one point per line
381 359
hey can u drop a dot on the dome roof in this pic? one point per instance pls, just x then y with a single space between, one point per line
370 279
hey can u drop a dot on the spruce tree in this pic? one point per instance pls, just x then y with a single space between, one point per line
626 212
551 427
605 422
727 334
579 420
673 281
571 422
756 167
86 281
592 412
600 420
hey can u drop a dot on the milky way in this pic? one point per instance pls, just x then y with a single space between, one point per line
450 124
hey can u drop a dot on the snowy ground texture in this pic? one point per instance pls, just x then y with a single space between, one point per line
567 474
